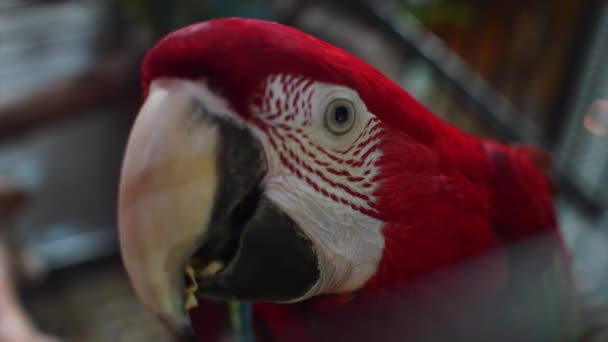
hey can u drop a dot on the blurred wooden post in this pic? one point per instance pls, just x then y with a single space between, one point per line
11 198
113 80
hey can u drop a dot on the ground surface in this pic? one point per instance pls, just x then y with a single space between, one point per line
92 303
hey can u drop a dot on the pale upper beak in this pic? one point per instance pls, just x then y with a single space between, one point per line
191 186
166 197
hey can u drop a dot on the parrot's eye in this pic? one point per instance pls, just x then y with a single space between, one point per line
340 116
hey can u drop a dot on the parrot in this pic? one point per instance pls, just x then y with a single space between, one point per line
269 168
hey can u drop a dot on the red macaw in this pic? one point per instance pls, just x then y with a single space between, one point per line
271 167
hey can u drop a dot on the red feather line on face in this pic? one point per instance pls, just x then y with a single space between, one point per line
333 179
283 111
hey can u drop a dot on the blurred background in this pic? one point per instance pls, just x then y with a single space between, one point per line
531 71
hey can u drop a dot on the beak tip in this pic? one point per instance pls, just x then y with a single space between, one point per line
179 332
185 335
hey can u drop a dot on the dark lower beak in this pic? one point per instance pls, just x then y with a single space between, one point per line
267 257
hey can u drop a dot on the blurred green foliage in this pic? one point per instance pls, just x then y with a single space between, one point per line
459 13
161 16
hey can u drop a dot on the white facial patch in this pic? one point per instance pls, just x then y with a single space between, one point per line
349 244
323 181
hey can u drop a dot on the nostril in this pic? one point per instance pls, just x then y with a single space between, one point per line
199 108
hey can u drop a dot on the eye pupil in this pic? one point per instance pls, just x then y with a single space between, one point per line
341 114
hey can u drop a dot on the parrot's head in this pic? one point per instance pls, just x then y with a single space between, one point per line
264 166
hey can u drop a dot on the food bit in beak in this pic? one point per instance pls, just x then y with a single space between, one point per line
194 272
191 301
212 269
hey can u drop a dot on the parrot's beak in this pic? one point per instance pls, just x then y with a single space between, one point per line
192 214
